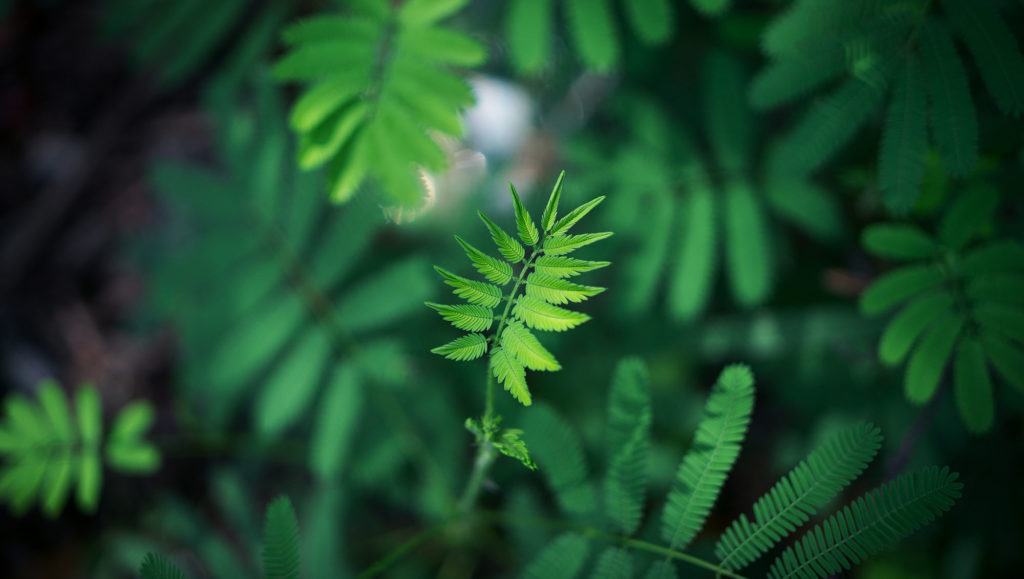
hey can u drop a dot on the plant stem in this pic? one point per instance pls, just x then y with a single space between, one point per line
622 540
485 456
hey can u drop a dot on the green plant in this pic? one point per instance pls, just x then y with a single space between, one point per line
380 85
280 555
871 46
687 216
47 451
512 347
287 324
960 297
866 526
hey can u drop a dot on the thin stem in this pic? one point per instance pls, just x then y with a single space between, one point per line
485 455
397 553
622 540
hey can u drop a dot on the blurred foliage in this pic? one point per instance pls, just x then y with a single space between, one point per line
736 137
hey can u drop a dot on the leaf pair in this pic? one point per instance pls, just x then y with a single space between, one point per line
542 277
48 448
966 302
280 556
380 85
867 525
872 46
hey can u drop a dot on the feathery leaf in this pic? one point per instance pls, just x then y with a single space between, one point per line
799 495
524 223
906 326
614 563
897 286
559 454
547 220
904 141
748 255
508 247
562 559
468 347
929 358
494 270
562 226
280 554
629 426
898 241
541 315
869 524
562 266
558 291
524 347
706 466
469 317
563 244
474 292
159 567
510 373
694 270
953 119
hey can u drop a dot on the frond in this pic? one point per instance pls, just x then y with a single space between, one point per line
563 558
541 315
994 49
629 426
495 270
558 291
905 327
563 225
799 495
794 76
898 241
524 223
706 466
469 317
897 286
510 373
904 141
159 567
972 386
366 117
559 454
280 553
614 563
829 125
748 256
563 244
474 292
954 121
562 266
508 247
870 524
526 349
807 206
801 24
468 347
48 450
929 358
528 31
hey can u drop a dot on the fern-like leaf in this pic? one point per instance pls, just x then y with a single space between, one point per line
495 270
508 247
541 315
929 358
469 317
870 524
510 373
280 552
563 244
524 347
897 286
562 266
563 225
547 219
468 347
474 292
799 495
525 226
953 119
706 466
629 426
559 454
904 141
159 567
613 564
994 49
366 115
558 291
